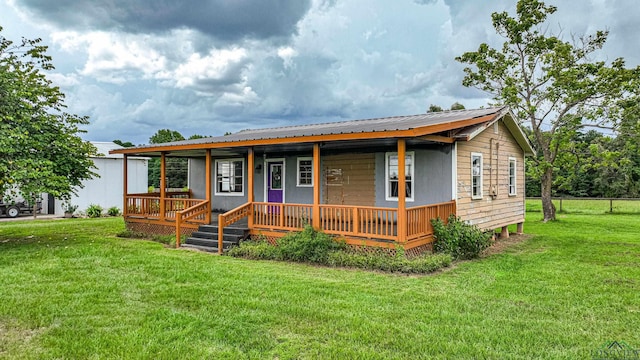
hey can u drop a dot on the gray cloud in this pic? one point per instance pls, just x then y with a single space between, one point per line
222 19
231 65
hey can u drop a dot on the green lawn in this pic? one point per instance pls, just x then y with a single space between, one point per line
580 206
70 289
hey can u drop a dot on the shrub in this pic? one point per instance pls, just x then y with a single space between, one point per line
382 261
113 211
164 239
129 234
94 211
256 250
69 208
459 239
317 247
308 245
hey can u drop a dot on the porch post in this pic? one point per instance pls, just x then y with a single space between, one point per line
208 184
402 181
163 184
250 192
315 218
125 190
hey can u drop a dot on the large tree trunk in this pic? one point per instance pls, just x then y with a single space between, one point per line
548 209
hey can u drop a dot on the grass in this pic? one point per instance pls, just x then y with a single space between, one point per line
71 289
578 206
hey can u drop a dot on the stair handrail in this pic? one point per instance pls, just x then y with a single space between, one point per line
187 214
231 217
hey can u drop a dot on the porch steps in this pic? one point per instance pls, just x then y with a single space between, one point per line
206 238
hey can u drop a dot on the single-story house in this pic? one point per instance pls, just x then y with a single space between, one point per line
374 182
107 189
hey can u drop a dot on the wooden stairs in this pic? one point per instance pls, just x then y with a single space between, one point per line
206 238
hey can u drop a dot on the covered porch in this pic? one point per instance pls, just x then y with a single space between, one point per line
179 213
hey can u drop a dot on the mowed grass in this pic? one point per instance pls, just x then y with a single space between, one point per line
596 206
71 289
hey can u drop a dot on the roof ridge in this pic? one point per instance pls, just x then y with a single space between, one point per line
368 119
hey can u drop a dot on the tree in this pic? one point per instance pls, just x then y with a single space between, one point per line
457 106
123 143
434 108
176 169
551 85
40 150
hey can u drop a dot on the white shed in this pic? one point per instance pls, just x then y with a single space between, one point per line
106 190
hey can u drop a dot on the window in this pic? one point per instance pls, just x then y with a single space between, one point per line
305 171
229 177
392 176
476 176
512 176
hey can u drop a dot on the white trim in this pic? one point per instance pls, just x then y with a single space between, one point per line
515 176
215 178
477 197
284 177
386 176
303 158
454 171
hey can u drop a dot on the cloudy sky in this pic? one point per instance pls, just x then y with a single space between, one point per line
211 66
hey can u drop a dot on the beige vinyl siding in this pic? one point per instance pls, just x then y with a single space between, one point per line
349 179
489 212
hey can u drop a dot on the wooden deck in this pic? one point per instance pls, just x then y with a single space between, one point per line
357 225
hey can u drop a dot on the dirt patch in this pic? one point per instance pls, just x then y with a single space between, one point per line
500 245
14 339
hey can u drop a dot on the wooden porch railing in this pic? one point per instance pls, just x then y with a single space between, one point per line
148 206
229 218
281 216
419 218
355 222
182 194
197 213
360 221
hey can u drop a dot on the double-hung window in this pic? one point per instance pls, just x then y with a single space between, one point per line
305 171
391 184
476 176
512 176
229 177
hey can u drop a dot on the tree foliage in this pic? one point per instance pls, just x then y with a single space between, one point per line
176 169
552 85
123 143
40 150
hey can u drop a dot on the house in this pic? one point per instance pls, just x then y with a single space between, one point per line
107 189
375 182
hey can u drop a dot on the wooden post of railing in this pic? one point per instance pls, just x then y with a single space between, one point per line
315 216
281 207
163 185
402 188
220 233
125 190
356 221
178 226
250 193
208 184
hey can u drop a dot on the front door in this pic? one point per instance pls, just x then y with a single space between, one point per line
275 182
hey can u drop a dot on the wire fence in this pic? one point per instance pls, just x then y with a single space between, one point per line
572 205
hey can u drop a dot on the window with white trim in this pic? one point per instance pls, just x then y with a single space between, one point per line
476 176
305 171
391 174
512 176
229 177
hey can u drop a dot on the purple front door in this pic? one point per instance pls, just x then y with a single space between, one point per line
275 182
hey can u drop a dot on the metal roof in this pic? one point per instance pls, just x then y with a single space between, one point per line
375 125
